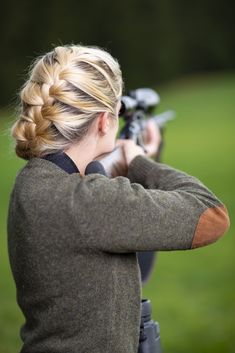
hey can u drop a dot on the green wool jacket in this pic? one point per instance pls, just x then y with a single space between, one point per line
72 244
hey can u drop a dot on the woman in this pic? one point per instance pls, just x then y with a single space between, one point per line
73 237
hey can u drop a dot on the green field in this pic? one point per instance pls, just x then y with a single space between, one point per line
192 292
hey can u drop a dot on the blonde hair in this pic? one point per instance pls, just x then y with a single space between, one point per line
66 90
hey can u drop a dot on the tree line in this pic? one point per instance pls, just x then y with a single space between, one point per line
153 40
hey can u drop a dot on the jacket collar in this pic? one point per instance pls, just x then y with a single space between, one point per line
63 161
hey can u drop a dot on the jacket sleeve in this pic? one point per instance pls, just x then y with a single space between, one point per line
155 207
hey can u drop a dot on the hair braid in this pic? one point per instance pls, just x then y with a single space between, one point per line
65 91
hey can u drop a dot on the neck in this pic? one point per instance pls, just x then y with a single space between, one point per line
94 144
81 156
84 152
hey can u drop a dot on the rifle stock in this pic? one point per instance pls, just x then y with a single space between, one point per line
114 162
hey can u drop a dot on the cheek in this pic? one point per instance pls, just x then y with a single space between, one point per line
117 126
114 131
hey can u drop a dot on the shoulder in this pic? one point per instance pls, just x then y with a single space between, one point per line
41 179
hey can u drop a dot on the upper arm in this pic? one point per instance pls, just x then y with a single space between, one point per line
119 216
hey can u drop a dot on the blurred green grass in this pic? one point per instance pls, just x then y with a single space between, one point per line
192 292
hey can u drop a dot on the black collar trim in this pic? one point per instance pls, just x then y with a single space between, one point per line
63 161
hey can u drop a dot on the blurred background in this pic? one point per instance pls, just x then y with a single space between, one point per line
185 50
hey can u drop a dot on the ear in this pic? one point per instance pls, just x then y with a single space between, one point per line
103 123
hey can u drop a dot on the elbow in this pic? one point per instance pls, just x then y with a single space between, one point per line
212 224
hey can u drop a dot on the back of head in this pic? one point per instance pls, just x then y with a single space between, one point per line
66 90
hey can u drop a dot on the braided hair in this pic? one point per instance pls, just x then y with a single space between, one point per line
66 90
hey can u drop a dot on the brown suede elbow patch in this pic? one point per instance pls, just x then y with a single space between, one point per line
212 224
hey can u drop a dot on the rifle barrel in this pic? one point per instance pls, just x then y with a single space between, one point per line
161 119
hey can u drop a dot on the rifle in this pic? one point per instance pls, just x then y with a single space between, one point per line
137 107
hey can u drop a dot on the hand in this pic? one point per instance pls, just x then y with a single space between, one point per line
130 149
152 138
